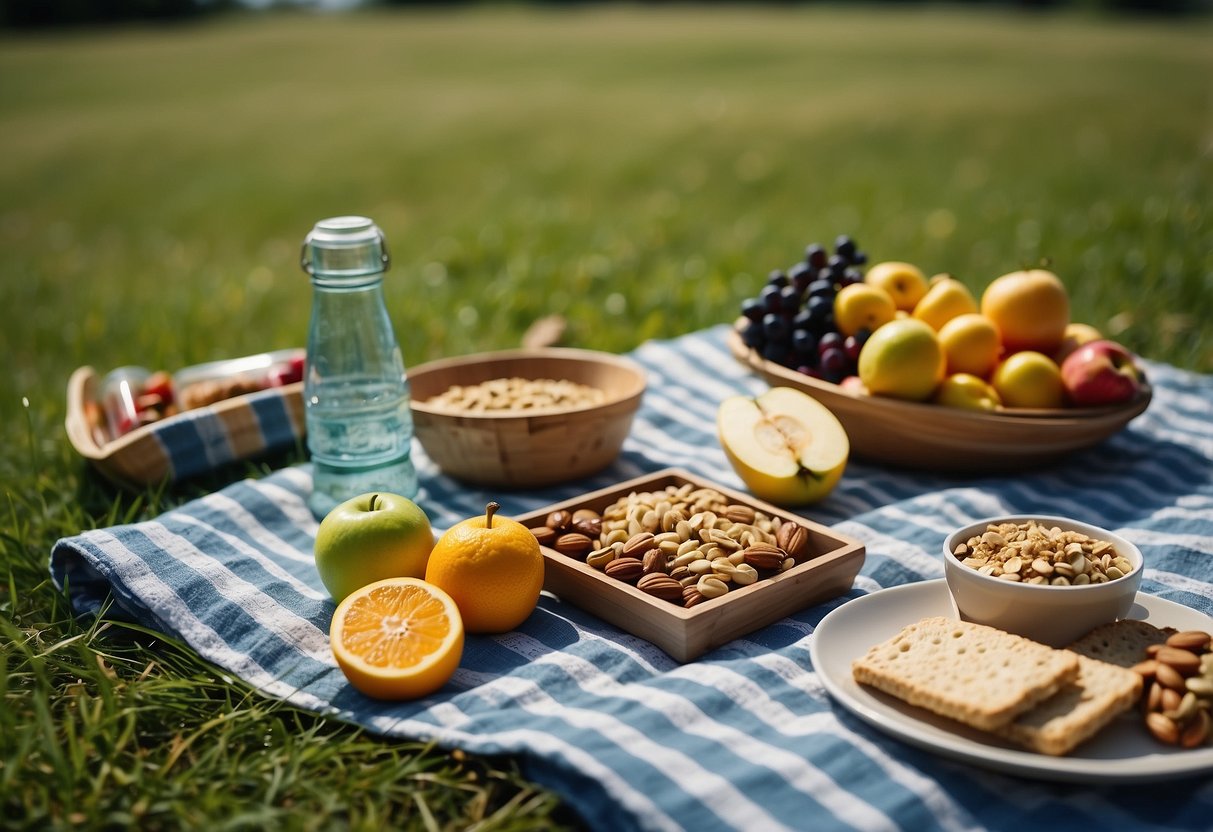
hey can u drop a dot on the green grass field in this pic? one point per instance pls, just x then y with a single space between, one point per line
636 171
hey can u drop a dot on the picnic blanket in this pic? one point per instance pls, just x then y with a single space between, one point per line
744 738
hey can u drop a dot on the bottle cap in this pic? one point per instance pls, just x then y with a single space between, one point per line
344 247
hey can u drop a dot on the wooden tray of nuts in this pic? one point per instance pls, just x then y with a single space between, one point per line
687 564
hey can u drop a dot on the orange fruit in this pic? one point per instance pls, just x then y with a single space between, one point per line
1030 308
399 638
493 569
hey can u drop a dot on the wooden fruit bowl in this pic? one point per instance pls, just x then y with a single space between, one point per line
937 438
826 570
517 449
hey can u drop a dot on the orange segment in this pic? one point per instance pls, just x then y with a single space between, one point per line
399 638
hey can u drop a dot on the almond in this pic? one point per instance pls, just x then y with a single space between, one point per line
1197 730
573 544
740 514
793 538
589 526
638 544
764 556
1189 640
661 586
692 596
654 560
559 520
1169 676
1185 662
625 569
1163 728
545 535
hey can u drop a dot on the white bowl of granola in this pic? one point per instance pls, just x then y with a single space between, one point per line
1050 579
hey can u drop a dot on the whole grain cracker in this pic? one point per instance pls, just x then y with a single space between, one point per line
968 672
1078 711
1122 643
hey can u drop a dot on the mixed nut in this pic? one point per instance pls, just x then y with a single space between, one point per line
1178 692
683 544
1036 554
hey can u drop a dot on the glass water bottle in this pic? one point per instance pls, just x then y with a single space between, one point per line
356 392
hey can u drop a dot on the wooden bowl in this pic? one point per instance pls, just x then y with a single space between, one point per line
938 438
825 570
514 449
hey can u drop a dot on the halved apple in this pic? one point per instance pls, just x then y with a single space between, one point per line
787 447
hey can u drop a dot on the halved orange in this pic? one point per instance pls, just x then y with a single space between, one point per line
399 638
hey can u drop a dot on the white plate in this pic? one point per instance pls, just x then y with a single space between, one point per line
1121 752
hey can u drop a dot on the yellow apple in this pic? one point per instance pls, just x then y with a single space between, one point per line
903 359
1030 308
968 392
787 447
905 282
946 298
1076 335
971 344
860 306
1029 379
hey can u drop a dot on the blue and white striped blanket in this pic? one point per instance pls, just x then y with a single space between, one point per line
744 738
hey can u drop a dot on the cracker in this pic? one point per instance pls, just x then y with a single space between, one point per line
1078 711
968 672
1122 643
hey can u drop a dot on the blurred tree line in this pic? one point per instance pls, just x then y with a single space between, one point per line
28 14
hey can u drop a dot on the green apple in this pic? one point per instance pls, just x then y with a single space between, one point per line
371 537
903 359
904 282
787 447
968 392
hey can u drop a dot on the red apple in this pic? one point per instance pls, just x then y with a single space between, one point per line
1101 373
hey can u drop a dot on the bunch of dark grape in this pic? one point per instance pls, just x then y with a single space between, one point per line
791 321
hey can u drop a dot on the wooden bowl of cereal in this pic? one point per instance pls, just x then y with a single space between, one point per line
525 418
1050 579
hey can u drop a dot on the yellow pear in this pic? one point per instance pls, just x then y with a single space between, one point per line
971 343
905 282
862 306
945 299
1029 379
967 392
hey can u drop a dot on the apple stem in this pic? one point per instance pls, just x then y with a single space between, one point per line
489 511
374 502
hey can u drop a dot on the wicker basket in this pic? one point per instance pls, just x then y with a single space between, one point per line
512 450
185 445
